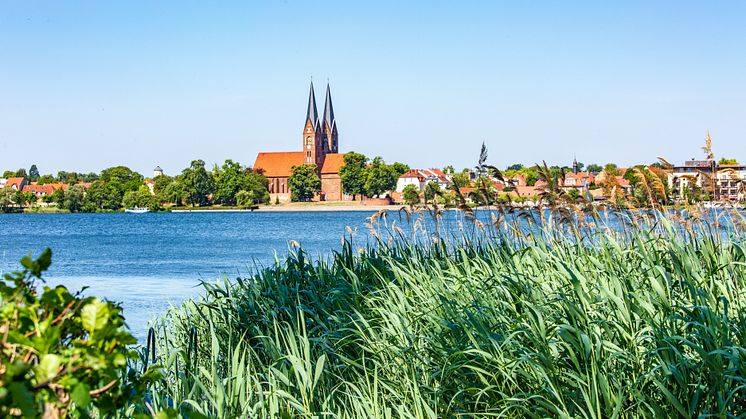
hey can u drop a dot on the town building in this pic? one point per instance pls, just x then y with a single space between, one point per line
731 182
157 172
15 183
420 178
320 147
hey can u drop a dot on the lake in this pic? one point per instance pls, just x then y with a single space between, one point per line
150 261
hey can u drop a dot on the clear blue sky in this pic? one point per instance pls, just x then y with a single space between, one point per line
87 85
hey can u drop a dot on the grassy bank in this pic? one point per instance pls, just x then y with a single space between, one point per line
562 322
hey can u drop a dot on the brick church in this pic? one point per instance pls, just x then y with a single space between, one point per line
320 147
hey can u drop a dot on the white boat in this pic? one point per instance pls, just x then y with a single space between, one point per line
137 210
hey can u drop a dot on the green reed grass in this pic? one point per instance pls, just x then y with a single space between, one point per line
562 320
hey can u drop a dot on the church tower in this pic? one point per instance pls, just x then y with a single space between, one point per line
314 147
329 124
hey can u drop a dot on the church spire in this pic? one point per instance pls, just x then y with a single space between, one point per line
328 109
312 114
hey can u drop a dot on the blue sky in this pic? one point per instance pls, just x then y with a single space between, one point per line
89 84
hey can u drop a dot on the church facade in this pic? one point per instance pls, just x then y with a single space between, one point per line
320 147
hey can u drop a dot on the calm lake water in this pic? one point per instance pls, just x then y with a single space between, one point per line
150 261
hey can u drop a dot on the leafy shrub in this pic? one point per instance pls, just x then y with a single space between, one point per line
62 354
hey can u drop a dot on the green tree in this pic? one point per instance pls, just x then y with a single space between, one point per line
256 183
245 198
727 161
174 193
105 196
461 179
595 168
449 170
198 183
611 168
353 174
516 167
379 178
33 173
9 174
411 195
229 180
141 198
7 200
57 197
74 198
399 168
123 178
304 182
21 173
161 182
43 180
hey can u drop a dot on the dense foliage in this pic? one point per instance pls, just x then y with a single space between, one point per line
369 178
646 319
304 182
120 187
60 354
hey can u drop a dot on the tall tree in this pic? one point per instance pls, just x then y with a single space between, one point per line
353 174
33 173
399 168
198 183
229 180
304 182
411 195
74 198
379 178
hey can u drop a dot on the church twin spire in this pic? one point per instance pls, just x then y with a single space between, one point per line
325 130
312 112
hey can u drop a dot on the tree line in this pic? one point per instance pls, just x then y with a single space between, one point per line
120 187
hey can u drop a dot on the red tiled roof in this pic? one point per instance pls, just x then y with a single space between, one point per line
39 189
412 174
278 164
62 186
14 181
332 163
85 185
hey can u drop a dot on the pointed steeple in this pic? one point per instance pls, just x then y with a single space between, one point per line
328 109
312 114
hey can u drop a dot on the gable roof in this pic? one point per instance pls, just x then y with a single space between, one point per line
278 164
39 189
18 182
332 163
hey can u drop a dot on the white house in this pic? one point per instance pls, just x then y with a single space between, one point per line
420 178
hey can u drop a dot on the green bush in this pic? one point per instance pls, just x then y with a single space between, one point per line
62 354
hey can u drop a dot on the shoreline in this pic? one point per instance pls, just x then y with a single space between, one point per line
302 208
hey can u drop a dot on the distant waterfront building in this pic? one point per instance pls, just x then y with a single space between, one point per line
157 172
420 178
15 183
320 147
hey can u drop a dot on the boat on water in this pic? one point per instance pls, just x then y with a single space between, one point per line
137 210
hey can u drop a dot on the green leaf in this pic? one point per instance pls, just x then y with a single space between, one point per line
48 367
22 399
95 315
81 395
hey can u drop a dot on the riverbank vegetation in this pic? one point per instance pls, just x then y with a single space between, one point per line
534 314
643 320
